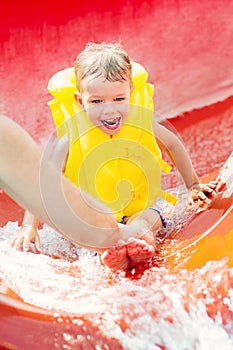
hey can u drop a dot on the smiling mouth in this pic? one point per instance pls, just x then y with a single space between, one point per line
111 124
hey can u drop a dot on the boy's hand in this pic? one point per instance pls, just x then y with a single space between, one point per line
203 194
27 235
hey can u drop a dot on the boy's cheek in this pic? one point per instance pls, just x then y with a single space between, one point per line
94 117
93 111
125 109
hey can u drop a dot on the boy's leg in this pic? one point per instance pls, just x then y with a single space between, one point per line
21 168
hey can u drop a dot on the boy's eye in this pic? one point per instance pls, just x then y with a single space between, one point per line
118 99
96 101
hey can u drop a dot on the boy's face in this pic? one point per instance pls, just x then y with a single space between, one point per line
106 103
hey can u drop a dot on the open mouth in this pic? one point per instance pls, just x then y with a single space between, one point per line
111 124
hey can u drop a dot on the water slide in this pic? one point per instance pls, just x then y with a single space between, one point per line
63 298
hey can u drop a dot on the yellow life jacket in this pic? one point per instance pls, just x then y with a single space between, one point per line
122 170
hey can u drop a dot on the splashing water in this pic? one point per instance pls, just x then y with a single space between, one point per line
185 310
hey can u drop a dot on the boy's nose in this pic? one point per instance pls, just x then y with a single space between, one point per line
109 108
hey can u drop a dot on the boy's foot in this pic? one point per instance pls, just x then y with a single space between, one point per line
139 251
129 254
116 258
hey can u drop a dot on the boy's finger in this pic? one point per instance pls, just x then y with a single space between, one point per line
26 245
18 243
213 184
12 241
37 244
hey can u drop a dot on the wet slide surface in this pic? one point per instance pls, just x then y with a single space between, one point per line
63 298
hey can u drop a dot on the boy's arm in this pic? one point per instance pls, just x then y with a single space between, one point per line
175 149
173 146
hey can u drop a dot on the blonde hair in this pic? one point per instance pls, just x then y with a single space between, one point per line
108 60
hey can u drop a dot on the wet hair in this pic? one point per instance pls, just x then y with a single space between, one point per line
107 60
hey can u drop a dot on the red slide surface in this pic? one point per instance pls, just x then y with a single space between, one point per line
184 299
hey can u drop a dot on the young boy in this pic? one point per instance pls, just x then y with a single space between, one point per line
104 82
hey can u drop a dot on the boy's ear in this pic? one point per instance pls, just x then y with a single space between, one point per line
79 100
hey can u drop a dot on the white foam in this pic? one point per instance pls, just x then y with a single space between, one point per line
142 314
